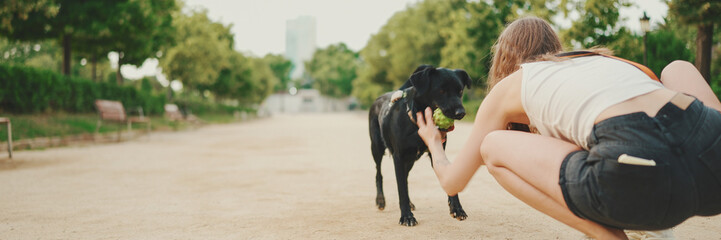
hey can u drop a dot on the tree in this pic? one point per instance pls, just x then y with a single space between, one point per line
410 38
509 10
453 34
24 53
705 15
333 70
61 19
262 82
598 24
27 20
248 80
663 48
140 28
233 77
470 38
281 67
201 51
134 28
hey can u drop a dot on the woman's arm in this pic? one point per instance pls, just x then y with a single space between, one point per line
501 105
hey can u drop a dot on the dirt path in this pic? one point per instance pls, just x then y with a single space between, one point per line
286 177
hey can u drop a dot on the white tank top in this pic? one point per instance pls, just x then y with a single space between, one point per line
563 99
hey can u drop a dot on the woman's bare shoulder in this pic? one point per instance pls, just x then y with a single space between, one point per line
506 97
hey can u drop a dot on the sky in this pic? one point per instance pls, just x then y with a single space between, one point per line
259 25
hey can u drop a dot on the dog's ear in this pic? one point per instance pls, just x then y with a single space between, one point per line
420 68
465 78
421 80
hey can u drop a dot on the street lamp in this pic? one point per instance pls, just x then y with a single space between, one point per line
645 27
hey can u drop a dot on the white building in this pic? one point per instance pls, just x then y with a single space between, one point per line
300 43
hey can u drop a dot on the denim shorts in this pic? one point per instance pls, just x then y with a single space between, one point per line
686 180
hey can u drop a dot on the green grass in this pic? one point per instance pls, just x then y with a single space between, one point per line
65 124
218 118
47 125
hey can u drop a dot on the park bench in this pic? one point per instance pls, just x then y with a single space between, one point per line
115 112
6 121
173 113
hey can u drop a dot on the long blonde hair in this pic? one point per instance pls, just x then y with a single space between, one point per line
524 40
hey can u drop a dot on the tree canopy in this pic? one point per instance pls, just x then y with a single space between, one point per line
460 34
200 52
705 15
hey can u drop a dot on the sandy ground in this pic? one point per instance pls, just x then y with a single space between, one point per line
285 177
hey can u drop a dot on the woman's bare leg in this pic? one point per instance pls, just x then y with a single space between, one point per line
682 76
528 166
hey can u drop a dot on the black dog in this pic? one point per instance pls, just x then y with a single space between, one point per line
392 125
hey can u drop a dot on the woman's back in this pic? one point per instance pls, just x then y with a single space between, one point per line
564 99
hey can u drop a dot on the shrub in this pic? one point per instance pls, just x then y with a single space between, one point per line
29 90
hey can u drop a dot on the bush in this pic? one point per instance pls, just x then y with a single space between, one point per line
29 90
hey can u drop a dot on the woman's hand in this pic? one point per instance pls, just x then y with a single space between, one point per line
427 130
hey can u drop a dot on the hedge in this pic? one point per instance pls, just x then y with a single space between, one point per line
29 90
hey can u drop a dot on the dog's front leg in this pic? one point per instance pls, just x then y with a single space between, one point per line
454 205
402 167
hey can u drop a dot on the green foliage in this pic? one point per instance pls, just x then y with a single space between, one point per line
705 15
245 79
452 34
471 36
61 124
663 48
201 51
143 28
29 90
13 11
194 104
627 45
281 69
134 28
17 52
509 10
695 11
261 84
410 38
598 24
333 70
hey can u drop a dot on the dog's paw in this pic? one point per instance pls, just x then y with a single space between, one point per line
409 221
459 214
380 203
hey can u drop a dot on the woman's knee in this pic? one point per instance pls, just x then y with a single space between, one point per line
490 148
676 67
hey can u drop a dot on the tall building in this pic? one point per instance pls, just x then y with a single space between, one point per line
299 44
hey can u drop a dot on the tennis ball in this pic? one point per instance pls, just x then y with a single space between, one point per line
441 120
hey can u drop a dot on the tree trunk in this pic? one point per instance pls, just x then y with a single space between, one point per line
118 74
66 54
169 94
703 50
94 59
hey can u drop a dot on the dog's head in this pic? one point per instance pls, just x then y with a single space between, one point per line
441 88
